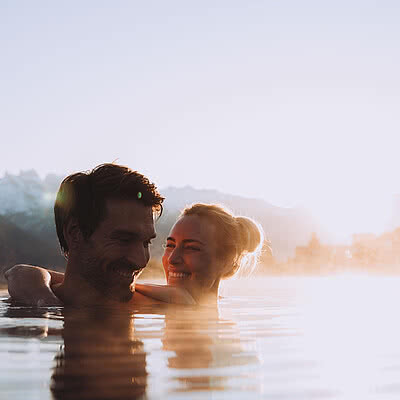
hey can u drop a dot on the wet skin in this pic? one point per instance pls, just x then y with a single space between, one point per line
190 259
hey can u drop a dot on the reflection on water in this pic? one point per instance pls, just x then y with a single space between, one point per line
273 338
100 358
200 346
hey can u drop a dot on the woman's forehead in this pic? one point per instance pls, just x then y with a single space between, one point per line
193 227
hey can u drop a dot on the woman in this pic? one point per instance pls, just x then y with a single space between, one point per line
206 244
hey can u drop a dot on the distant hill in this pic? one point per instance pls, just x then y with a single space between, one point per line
286 228
26 192
26 203
20 246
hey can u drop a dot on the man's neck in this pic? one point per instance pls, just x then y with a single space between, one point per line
81 294
74 290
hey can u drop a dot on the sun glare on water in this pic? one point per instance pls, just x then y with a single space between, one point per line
342 329
346 322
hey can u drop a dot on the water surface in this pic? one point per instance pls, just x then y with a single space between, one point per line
272 338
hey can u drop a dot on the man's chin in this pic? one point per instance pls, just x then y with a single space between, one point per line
121 293
120 296
126 298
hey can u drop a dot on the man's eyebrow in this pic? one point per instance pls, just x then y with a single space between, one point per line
186 240
132 234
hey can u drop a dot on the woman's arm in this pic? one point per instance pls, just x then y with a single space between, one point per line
56 277
166 294
31 285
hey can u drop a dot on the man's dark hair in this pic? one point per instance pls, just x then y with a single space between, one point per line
83 196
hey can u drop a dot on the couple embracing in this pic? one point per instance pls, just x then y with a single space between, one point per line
105 224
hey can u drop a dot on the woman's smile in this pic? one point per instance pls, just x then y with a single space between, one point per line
178 275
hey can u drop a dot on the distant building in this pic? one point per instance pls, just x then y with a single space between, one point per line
314 253
367 251
363 238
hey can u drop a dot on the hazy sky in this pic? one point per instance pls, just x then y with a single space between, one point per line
296 102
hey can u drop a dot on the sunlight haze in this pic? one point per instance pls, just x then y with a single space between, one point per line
293 102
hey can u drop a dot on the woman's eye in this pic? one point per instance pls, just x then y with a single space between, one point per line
192 248
169 246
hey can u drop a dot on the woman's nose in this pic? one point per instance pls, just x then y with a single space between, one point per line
176 256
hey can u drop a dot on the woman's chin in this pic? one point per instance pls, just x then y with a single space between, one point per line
183 283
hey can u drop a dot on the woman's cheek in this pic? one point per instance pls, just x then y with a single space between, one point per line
203 265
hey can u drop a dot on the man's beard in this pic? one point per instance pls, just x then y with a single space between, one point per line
99 274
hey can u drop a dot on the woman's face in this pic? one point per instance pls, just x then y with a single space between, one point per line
190 258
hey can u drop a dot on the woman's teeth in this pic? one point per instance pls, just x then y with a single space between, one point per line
180 275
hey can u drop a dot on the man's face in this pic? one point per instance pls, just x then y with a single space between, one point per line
113 256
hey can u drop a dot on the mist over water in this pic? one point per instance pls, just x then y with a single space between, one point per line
273 338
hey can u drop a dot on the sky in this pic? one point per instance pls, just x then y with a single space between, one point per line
295 102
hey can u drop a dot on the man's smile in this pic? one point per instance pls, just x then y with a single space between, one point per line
124 272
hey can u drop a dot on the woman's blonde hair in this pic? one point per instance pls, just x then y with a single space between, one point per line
239 239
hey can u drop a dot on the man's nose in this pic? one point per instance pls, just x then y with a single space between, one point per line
138 255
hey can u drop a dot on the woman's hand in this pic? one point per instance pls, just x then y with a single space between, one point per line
31 285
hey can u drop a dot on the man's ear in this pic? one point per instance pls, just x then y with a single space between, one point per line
72 233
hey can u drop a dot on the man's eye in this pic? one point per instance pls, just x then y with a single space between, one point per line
124 240
169 246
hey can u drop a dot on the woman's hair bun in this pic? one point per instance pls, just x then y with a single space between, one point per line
239 239
250 234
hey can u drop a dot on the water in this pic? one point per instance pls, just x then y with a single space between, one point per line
271 338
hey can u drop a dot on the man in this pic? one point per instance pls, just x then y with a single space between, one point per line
105 224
